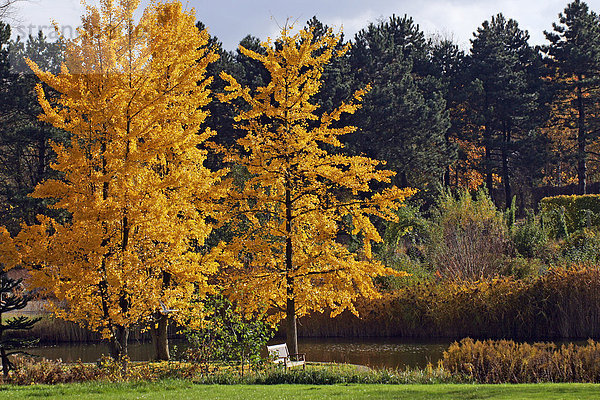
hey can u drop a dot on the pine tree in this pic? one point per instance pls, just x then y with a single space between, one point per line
299 200
250 72
25 150
574 55
404 117
13 298
220 116
506 104
337 85
5 98
448 61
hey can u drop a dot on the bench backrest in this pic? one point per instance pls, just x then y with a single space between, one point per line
278 351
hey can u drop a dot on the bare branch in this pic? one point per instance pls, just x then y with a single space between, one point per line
6 8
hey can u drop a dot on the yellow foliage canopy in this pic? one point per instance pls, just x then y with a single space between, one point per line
131 96
302 199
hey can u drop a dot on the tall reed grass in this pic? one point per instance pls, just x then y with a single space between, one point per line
54 330
564 303
505 361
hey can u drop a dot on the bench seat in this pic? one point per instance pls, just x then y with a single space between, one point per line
281 355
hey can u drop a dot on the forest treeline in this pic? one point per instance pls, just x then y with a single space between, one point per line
515 118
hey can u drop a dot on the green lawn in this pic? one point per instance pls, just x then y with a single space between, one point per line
187 390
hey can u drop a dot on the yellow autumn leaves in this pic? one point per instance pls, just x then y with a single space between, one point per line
141 203
132 97
305 198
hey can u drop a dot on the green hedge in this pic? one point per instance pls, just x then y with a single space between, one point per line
570 213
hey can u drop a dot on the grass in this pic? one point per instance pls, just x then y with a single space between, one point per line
188 390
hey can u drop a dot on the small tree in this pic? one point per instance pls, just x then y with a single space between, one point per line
294 214
13 298
227 335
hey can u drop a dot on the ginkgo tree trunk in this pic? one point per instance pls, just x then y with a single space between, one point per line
131 96
289 216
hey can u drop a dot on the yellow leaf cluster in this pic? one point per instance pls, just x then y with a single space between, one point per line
139 198
302 199
132 96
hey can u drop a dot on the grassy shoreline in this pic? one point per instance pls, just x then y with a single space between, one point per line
190 390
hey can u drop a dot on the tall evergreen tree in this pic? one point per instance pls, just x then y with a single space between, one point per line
25 151
4 69
245 70
574 54
404 117
506 70
220 117
448 65
252 73
336 86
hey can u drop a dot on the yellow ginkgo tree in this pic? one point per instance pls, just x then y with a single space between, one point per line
290 217
132 94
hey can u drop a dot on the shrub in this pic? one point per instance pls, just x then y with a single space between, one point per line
35 371
403 248
505 361
529 237
469 237
227 336
582 246
521 268
29 370
579 211
337 374
410 232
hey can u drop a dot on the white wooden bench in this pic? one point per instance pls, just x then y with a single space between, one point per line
281 355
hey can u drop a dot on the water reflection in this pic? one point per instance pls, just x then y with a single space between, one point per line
376 353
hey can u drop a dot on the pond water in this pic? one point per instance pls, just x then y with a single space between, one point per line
375 353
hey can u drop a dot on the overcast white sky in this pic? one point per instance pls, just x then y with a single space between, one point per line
231 20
